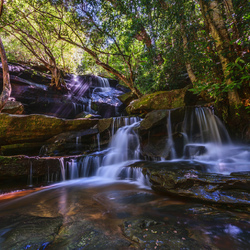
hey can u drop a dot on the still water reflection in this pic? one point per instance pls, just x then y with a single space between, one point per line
99 214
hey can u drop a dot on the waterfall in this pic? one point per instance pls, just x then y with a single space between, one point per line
98 141
169 148
73 169
63 173
113 163
202 126
103 82
119 122
208 142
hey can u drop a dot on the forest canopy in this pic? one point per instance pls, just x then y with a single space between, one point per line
148 45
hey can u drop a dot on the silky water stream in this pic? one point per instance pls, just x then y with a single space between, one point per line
103 204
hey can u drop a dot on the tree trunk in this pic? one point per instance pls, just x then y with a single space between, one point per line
57 78
187 62
6 78
214 19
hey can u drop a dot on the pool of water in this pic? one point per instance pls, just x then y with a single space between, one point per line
94 213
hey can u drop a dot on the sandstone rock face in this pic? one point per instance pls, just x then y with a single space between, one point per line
16 129
162 100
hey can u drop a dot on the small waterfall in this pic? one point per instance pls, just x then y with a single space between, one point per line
169 148
124 149
73 169
63 172
88 109
103 82
98 141
78 140
89 165
119 122
124 146
202 126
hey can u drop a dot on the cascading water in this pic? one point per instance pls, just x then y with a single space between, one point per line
103 82
208 142
124 149
169 148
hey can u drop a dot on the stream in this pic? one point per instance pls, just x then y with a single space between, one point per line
105 201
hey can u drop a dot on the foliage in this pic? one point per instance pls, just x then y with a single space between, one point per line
149 45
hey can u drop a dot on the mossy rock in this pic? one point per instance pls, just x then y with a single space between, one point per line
127 98
162 100
16 129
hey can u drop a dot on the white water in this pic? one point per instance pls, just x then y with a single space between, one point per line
214 146
104 82
124 150
206 141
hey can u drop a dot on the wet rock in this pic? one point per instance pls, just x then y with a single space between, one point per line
152 234
105 101
32 88
18 236
154 134
71 143
194 150
193 180
162 100
104 124
22 171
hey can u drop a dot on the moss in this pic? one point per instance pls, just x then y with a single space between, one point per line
104 124
16 129
158 100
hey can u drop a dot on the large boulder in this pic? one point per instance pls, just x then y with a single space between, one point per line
162 100
16 129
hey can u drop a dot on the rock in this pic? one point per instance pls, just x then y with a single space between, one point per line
32 88
162 100
37 128
127 98
152 234
71 143
154 135
13 107
192 180
22 171
104 124
105 101
85 114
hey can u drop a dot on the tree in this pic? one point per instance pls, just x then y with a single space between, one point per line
214 20
6 77
36 35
